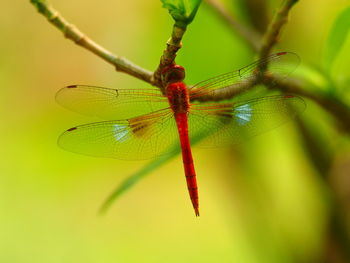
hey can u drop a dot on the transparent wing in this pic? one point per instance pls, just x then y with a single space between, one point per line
237 82
234 123
137 138
110 104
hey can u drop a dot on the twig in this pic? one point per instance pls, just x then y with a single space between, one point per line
338 247
169 54
339 110
271 36
73 33
251 37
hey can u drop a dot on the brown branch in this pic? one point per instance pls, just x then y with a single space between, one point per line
169 54
225 93
338 109
338 243
249 35
270 38
73 33
121 64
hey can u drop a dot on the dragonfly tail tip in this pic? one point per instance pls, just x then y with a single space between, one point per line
196 210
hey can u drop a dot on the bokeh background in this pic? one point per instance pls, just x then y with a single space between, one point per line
264 201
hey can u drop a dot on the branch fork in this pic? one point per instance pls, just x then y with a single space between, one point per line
338 109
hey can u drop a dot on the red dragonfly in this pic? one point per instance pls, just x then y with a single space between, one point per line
179 114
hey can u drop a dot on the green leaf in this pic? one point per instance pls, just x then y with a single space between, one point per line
182 11
337 37
136 177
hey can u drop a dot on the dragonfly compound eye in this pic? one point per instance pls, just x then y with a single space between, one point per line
173 73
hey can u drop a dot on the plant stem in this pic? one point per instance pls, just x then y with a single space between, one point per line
169 54
73 33
339 110
270 37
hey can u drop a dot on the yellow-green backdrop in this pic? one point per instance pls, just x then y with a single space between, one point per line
260 202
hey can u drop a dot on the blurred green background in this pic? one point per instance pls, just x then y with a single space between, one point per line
264 201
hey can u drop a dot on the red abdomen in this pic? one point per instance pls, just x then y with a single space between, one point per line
182 126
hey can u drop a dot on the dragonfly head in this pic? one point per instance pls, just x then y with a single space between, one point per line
173 73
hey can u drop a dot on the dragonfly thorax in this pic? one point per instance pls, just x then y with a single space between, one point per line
178 97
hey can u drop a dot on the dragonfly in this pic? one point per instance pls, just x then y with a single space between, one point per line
145 123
